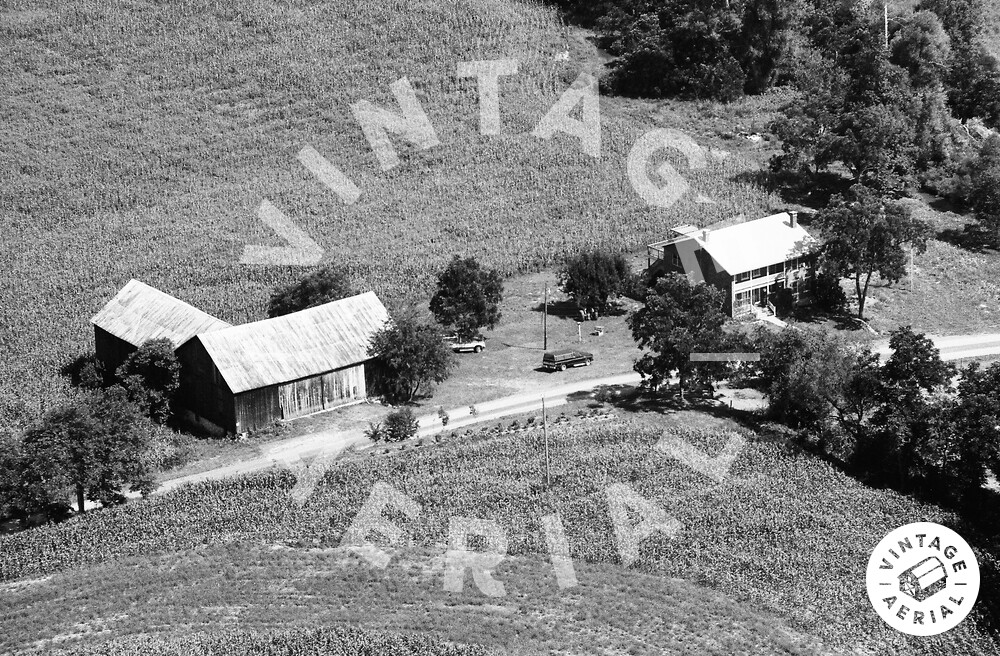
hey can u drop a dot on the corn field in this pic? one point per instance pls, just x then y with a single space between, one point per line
139 140
785 531
299 642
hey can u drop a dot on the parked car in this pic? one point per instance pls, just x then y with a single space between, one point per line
559 360
476 344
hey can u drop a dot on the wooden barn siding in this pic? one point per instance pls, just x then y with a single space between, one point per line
256 409
202 390
111 351
329 390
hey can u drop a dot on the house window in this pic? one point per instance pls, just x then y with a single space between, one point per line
775 268
743 277
676 261
760 273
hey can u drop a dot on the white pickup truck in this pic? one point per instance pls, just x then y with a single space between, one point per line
476 345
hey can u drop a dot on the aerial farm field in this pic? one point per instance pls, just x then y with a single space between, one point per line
141 138
769 560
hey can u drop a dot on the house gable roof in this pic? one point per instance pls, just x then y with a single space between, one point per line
755 244
298 345
139 313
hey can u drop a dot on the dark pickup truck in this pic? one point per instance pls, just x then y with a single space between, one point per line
559 360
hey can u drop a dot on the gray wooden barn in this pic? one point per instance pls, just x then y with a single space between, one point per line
246 377
139 313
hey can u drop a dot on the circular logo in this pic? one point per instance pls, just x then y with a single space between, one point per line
923 579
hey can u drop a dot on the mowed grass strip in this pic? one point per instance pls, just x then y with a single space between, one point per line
784 532
256 589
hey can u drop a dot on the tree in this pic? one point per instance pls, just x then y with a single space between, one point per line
909 438
679 318
985 195
923 48
864 234
593 277
467 297
877 146
678 48
84 371
398 425
151 376
323 285
813 378
974 84
914 367
413 356
977 420
961 19
827 294
92 448
763 40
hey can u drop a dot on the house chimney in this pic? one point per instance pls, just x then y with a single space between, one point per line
793 218
704 235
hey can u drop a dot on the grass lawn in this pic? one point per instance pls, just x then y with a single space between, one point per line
955 290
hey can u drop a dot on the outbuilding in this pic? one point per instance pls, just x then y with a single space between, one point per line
139 313
246 377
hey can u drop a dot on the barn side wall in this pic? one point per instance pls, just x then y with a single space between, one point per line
322 392
203 391
256 409
111 352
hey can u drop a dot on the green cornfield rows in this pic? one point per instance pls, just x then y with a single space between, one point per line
139 140
784 531
299 642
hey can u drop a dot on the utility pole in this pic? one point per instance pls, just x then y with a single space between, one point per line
545 434
911 268
545 322
885 14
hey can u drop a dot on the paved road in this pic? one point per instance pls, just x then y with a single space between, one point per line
955 347
325 445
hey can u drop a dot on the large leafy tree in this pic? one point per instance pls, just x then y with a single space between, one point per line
808 127
878 146
413 357
467 297
814 378
90 449
985 196
675 48
679 318
961 19
914 367
910 438
593 277
322 285
974 83
923 48
976 418
864 234
151 376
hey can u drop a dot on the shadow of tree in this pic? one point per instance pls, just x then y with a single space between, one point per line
970 237
814 192
567 309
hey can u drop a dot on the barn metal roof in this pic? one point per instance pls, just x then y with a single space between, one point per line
756 244
139 313
297 345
